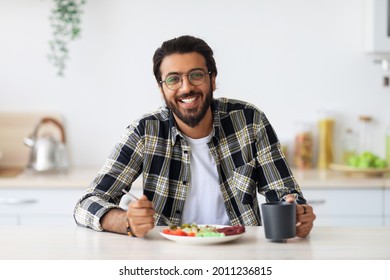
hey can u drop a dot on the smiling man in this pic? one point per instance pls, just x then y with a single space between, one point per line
203 160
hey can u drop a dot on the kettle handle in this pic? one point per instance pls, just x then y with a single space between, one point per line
54 121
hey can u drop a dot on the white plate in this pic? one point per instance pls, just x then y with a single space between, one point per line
191 240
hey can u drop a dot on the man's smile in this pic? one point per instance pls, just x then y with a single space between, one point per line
188 100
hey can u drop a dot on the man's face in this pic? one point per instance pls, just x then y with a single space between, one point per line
189 103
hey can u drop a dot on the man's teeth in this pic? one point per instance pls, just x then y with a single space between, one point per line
188 100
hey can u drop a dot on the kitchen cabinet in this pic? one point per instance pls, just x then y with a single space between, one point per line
346 207
376 27
45 198
387 207
8 220
338 200
43 206
26 206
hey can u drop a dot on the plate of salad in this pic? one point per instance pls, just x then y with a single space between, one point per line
203 234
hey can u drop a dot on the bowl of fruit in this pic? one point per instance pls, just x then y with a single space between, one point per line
366 163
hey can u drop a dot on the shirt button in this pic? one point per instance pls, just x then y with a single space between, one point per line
186 152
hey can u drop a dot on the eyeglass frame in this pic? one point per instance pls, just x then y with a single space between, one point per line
185 74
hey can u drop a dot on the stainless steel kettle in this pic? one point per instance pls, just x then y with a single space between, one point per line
47 152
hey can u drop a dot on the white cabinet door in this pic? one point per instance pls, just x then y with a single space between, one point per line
346 207
39 206
53 220
376 16
387 207
9 220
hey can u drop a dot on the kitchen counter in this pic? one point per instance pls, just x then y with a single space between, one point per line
74 243
81 177
77 177
331 193
316 178
74 178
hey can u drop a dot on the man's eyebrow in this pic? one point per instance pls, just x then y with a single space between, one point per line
180 73
170 73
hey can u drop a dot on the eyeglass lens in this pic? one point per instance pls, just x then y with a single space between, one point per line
196 77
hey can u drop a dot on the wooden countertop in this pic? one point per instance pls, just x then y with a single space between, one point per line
74 178
59 243
315 178
81 177
77 177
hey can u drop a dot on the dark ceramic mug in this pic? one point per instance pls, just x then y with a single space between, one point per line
279 220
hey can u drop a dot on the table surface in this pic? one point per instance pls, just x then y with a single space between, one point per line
75 243
81 177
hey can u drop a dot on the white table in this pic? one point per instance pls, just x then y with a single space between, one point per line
74 243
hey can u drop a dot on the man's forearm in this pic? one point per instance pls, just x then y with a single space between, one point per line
114 220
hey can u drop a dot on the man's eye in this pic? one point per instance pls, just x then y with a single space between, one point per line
172 79
197 75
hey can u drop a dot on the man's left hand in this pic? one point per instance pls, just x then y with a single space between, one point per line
305 217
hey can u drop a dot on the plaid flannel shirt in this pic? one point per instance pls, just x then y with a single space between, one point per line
244 146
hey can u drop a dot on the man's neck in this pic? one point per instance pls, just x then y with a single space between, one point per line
201 130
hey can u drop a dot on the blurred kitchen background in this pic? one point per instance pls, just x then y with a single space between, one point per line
308 64
295 60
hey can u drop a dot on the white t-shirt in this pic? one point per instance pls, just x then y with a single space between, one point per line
204 203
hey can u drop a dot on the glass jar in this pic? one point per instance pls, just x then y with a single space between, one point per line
365 132
325 149
348 145
303 147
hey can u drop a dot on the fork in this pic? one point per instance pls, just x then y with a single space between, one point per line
166 220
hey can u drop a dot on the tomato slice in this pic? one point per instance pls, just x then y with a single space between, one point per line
167 231
177 232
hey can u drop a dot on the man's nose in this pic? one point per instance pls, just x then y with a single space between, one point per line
186 85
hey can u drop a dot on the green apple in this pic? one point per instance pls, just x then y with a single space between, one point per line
364 162
353 161
367 160
380 163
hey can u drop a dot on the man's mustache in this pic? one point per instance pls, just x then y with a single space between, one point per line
189 94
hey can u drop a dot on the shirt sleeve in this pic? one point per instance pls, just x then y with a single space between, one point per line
275 177
120 170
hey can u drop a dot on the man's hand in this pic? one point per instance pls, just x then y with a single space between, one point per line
140 214
305 217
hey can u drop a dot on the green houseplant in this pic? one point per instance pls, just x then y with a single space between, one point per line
65 20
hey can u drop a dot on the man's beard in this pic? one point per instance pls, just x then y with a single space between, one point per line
191 117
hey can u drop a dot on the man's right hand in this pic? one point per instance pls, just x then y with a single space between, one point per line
140 214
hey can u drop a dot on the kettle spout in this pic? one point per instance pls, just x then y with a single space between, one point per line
29 142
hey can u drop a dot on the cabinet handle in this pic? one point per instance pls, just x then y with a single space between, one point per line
17 201
318 201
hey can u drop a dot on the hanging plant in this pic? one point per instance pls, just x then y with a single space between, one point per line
65 20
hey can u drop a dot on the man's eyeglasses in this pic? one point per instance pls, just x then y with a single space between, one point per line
196 77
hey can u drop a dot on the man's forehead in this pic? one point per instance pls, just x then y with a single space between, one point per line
179 62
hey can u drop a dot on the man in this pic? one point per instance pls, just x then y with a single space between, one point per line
203 160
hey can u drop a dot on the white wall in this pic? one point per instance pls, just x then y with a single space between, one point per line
290 58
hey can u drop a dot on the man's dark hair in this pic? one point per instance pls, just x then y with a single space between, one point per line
182 45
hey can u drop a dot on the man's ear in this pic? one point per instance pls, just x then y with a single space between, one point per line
213 82
161 89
